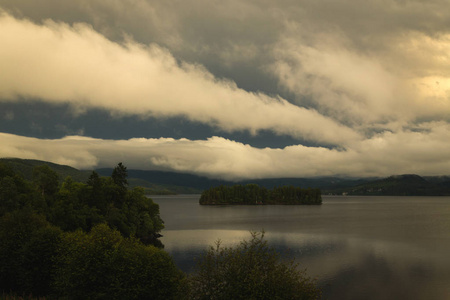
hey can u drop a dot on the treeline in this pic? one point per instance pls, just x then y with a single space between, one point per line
74 205
73 240
252 194
99 240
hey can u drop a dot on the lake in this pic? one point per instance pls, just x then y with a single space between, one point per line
357 247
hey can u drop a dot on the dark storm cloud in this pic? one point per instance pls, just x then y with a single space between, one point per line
58 121
74 64
371 79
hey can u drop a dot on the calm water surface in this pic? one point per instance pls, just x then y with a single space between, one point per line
357 247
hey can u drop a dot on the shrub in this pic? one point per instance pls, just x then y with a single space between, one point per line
251 270
105 265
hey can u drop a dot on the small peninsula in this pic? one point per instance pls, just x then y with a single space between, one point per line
252 194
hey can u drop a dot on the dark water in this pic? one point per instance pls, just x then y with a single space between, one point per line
357 247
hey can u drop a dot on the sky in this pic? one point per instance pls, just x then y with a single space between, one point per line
234 89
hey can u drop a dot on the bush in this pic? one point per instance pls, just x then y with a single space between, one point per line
28 244
105 265
251 270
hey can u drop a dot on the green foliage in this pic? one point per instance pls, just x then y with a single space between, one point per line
251 270
28 244
252 194
119 176
12 296
45 179
142 216
70 208
25 168
96 250
74 205
39 259
15 192
104 265
8 195
5 170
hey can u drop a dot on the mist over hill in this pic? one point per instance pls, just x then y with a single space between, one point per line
403 185
163 182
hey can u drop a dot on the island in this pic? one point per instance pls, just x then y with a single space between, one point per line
252 194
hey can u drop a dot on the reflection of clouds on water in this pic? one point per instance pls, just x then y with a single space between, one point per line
347 268
185 239
186 246
357 247
307 249
374 277
356 268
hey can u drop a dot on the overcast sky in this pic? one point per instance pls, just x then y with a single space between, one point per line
230 89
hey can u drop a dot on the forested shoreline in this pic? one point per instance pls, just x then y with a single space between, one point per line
100 240
252 194
77 240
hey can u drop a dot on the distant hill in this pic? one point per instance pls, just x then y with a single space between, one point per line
196 184
162 182
407 185
168 178
323 183
25 167
401 185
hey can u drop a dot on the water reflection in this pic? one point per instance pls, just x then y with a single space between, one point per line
374 277
358 248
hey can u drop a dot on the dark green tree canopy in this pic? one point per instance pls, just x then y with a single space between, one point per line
46 179
96 240
94 180
119 176
28 244
73 205
5 170
252 194
102 264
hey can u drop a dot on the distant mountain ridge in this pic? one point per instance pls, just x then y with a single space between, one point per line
164 182
403 185
200 183
25 167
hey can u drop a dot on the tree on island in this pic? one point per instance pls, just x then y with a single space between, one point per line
252 194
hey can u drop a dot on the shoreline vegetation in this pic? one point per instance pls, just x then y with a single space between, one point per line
252 194
98 239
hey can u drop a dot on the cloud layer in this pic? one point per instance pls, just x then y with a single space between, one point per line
384 154
59 63
367 84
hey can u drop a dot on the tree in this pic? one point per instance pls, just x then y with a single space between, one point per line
251 270
118 189
45 179
252 194
96 197
70 209
104 265
143 216
5 170
8 195
28 244
119 176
